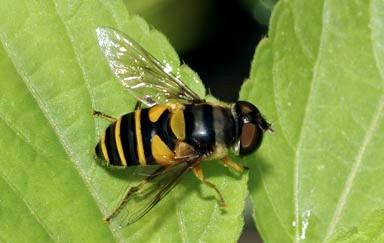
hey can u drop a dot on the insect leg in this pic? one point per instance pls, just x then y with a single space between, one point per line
233 165
129 192
197 170
122 203
104 116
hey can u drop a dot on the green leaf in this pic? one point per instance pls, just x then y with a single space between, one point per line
53 75
319 78
369 230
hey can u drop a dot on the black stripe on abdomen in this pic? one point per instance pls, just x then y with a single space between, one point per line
98 151
110 143
147 131
199 124
128 139
209 124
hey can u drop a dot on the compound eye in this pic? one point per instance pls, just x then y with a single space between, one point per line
250 139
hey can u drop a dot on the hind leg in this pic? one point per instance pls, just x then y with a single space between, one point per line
103 116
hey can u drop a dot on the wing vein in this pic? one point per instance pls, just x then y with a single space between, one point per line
141 73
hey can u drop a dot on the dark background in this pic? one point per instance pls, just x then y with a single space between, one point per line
223 58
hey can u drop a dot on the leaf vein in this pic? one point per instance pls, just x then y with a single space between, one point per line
297 157
30 208
48 115
360 153
87 181
19 133
373 43
355 169
270 200
180 222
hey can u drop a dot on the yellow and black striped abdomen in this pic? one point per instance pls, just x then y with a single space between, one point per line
118 144
149 136
142 137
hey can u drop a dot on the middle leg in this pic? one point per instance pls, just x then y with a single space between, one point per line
198 171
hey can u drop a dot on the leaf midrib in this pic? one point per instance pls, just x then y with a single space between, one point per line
375 122
284 136
85 179
297 158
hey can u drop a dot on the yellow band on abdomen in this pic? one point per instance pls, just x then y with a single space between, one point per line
104 149
118 143
139 139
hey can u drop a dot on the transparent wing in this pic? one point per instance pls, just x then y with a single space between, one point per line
142 74
140 199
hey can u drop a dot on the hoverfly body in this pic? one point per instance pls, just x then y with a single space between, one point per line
175 130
